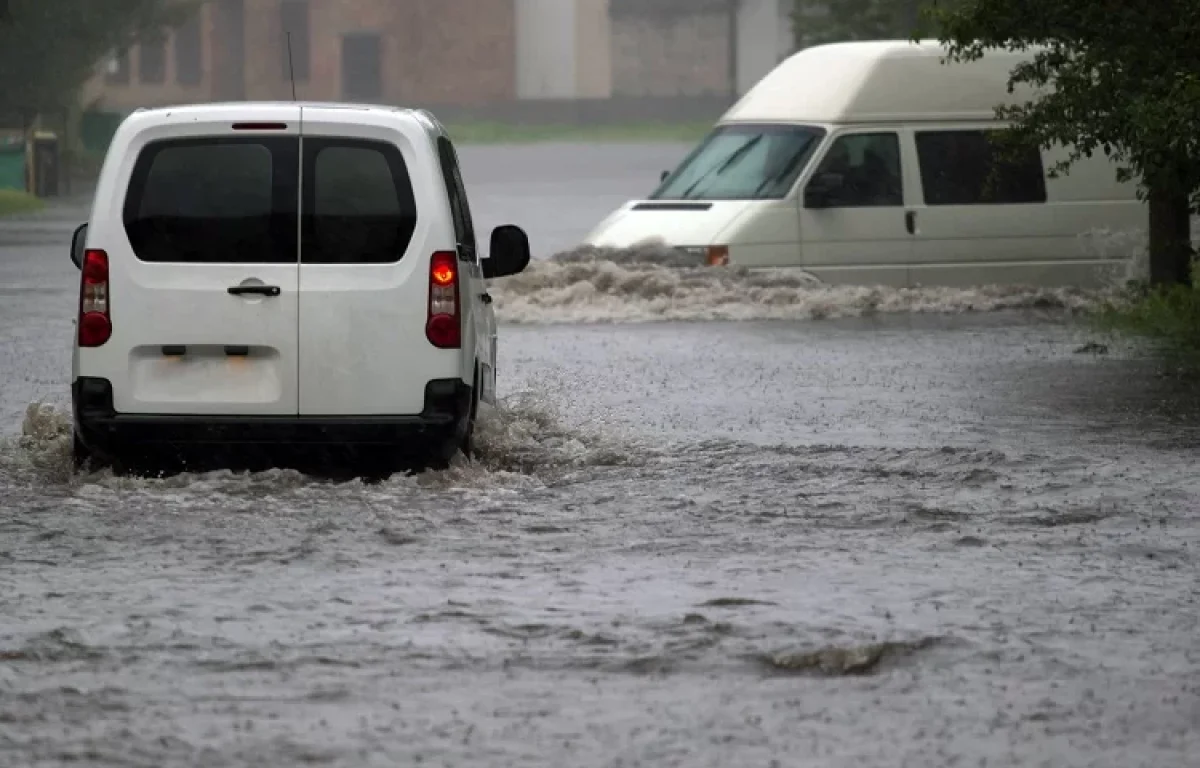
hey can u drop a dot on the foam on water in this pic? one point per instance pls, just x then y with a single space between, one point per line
524 442
657 283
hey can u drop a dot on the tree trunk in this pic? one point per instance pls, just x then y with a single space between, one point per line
1170 238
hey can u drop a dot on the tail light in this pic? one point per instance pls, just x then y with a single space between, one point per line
444 326
95 321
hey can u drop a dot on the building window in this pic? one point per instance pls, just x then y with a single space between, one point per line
152 60
294 22
188 52
362 70
966 168
117 70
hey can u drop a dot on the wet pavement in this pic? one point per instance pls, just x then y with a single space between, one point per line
720 520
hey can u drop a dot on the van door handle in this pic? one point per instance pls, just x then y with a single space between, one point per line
487 298
910 222
261 290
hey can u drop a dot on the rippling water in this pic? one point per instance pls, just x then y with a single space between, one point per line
903 555
857 527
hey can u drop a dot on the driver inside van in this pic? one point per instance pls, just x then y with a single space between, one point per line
871 181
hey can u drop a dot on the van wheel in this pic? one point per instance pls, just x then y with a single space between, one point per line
83 458
80 455
467 443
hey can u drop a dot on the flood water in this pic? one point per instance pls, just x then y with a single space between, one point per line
719 520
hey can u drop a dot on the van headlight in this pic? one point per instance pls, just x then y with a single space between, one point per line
712 255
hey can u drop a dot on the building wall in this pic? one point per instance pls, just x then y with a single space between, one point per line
546 49
428 55
679 48
593 31
684 54
505 50
562 49
764 39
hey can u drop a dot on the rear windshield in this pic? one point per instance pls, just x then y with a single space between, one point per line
215 200
234 200
358 203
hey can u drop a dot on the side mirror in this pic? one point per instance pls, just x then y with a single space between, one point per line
821 190
509 252
78 242
664 176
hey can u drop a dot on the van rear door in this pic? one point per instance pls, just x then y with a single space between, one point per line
201 233
366 248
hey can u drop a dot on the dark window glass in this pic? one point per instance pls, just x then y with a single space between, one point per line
967 168
362 67
188 52
118 69
863 171
215 200
359 206
464 228
152 60
294 21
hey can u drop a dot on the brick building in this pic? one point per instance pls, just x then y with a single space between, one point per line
485 57
415 51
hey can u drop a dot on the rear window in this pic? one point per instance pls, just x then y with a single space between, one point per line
359 206
214 200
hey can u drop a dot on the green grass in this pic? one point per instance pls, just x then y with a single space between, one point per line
507 133
1167 319
13 202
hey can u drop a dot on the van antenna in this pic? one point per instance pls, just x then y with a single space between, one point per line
291 66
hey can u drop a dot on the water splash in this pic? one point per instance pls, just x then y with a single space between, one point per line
655 283
524 440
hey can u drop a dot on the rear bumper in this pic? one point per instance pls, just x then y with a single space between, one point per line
103 430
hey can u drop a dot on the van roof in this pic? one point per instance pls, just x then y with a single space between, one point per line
879 81
421 116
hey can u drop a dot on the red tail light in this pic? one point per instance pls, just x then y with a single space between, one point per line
444 325
95 320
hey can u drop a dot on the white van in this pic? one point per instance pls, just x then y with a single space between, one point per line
270 275
869 162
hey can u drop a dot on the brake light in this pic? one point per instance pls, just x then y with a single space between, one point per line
260 126
718 255
443 327
95 319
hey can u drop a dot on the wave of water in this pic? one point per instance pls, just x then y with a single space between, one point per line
525 441
656 283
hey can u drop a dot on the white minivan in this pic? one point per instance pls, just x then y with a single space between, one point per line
871 163
263 276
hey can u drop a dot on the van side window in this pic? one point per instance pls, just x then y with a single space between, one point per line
864 169
957 169
359 205
214 201
460 209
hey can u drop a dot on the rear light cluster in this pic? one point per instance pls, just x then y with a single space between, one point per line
95 321
443 327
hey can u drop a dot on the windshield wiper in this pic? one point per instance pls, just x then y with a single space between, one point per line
734 156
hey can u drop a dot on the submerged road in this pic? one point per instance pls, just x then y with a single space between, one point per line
718 521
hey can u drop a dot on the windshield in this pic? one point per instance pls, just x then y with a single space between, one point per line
743 162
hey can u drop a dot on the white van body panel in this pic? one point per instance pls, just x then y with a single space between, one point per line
879 82
362 347
166 304
901 88
681 224
338 340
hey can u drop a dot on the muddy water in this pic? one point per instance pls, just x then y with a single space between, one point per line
897 530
